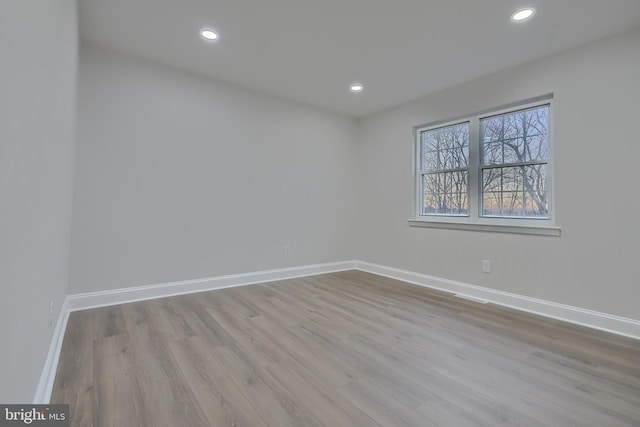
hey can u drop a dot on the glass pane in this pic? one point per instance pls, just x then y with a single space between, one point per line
452 159
492 129
537 148
445 193
519 191
430 160
491 202
512 126
429 206
511 179
535 190
493 153
492 180
445 148
517 137
514 151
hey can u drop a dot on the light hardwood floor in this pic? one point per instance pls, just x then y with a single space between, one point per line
341 349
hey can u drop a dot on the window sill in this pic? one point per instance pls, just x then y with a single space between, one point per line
538 230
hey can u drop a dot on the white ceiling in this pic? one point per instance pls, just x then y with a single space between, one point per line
312 50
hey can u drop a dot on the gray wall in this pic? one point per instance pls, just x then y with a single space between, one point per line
38 45
594 264
179 177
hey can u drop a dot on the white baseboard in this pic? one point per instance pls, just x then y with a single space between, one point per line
48 376
592 319
141 293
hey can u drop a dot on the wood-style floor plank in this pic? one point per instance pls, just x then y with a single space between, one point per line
200 364
341 349
117 398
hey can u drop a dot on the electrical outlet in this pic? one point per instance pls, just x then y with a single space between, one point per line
287 251
486 266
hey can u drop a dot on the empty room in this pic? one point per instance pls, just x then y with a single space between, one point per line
330 213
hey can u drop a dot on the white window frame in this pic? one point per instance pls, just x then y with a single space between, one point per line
475 221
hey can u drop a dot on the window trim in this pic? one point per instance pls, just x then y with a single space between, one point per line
475 221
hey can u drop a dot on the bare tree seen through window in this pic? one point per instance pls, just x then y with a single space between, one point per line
445 170
514 164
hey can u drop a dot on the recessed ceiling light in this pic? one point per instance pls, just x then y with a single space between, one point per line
209 35
522 14
357 87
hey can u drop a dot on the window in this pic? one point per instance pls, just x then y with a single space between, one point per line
514 163
445 170
487 171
